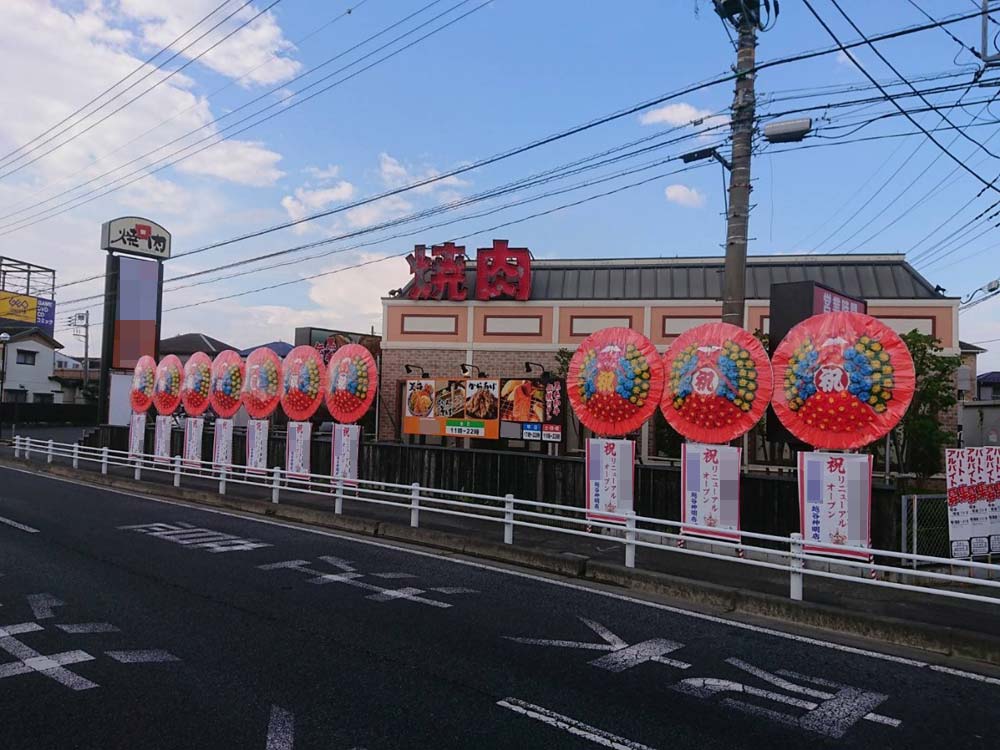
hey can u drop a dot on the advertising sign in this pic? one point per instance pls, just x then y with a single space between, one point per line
136 236
710 490
455 407
973 476
344 457
257 446
194 427
136 310
222 446
610 467
297 443
531 409
24 311
137 435
161 439
835 502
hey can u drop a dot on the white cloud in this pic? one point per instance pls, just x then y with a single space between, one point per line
260 47
374 213
322 174
844 58
679 113
306 201
242 162
394 173
683 195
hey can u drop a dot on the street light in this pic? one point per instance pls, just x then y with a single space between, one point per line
545 373
4 338
410 369
467 370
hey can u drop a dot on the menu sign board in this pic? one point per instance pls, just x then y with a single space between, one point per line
531 409
455 407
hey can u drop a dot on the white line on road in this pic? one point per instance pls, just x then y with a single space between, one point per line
281 729
17 525
567 724
88 627
140 656
42 605
528 576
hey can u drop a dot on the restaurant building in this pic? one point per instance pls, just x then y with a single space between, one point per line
503 312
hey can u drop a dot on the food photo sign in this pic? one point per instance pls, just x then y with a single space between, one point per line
531 409
452 407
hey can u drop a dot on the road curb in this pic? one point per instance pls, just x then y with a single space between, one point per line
940 640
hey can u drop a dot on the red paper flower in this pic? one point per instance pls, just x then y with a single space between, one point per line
614 381
226 389
195 387
305 383
352 379
719 383
141 393
167 385
844 380
262 383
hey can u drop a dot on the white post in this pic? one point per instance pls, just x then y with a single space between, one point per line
508 519
137 475
630 539
414 505
27 449
76 455
913 520
104 460
48 454
222 480
17 446
797 563
275 479
338 503
177 471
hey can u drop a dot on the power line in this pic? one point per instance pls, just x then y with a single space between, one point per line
111 114
867 75
954 38
119 82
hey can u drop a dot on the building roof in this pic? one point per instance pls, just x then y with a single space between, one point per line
966 348
20 334
189 343
989 378
281 348
870 277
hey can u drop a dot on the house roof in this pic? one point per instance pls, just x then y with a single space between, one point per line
281 348
20 334
989 378
189 343
873 277
966 348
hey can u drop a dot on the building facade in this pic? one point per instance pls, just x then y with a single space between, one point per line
28 366
660 298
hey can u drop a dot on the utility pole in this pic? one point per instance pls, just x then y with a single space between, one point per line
78 321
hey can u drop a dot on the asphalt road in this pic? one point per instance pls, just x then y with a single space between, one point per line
131 623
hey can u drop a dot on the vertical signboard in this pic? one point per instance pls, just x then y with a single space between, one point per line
137 311
835 502
610 467
193 430
298 441
973 480
161 438
136 435
531 409
710 490
222 445
344 456
257 446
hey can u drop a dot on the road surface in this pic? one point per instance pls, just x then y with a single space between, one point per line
127 622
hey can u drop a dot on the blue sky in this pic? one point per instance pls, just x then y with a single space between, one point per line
508 73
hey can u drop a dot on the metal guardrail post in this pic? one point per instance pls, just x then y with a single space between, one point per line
904 526
222 480
913 520
796 563
76 455
17 446
508 519
48 452
338 502
630 539
275 483
104 460
177 471
27 449
138 468
415 505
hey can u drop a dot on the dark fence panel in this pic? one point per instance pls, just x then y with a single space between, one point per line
74 414
769 503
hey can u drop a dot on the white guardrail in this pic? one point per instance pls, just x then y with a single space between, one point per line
511 513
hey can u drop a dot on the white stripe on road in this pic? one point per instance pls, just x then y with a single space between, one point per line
139 656
17 525
281 729
567 724
448 556
89 627
43 604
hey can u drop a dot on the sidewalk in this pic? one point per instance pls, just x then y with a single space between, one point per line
909 618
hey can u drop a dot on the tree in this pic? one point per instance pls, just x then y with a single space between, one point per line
920 438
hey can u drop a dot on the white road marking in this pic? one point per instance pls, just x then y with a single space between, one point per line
142 656
17 525
51 666
280 729
454 590
24 627
42 605
448 556
189 535
88 627
392 576
570 725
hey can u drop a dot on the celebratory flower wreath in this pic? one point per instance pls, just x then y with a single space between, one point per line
196 384
141 393
351 377
167 386
262 383
225 391
305 382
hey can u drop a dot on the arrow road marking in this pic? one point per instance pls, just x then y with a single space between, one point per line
622 656
42 604
570 725
280 729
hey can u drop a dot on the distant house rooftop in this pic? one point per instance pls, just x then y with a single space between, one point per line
188 343
281 348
